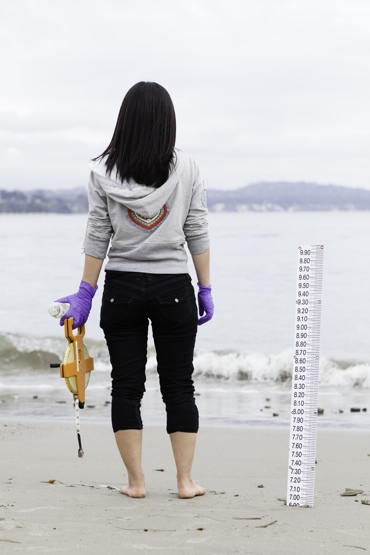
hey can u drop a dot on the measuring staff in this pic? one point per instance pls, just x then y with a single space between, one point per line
305 377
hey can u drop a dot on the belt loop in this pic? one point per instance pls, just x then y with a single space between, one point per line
149 277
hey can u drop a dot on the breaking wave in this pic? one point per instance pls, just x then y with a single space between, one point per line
24 354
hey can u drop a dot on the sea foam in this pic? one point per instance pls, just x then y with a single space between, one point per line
20 354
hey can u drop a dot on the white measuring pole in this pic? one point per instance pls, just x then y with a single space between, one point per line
305 377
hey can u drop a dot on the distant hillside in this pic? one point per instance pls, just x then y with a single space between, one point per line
282 196
65 201
279 196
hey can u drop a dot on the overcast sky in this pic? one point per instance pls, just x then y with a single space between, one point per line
263 89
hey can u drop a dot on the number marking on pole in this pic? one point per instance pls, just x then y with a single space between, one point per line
305 377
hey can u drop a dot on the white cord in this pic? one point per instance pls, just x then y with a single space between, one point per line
80 450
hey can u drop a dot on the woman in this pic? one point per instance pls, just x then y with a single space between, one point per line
146 200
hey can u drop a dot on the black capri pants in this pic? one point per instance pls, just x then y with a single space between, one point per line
130 301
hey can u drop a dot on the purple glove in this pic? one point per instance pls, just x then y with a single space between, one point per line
205 303
80 304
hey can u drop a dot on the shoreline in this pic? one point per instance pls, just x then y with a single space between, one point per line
54 501
222 405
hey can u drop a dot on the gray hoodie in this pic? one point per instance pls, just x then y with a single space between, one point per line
147 227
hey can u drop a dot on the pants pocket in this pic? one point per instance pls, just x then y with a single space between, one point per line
115 309
175 306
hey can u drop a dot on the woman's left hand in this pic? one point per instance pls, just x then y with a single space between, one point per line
205 303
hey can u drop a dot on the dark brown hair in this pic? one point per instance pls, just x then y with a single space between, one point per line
143 142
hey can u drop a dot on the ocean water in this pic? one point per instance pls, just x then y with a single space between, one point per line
243 356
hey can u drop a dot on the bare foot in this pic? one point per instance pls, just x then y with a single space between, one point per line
133 491
190 490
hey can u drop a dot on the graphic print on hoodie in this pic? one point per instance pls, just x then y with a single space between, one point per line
148 223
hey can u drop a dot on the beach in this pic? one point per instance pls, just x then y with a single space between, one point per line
54 502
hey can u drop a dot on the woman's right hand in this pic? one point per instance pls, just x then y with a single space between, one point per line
80 304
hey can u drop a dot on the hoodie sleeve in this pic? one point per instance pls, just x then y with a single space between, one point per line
196 224
99 228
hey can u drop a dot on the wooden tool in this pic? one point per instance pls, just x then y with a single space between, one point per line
77 364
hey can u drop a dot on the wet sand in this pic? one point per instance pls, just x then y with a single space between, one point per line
54 502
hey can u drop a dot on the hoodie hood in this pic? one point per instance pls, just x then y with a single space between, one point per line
144 200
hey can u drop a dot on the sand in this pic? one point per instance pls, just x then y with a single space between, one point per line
54 502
